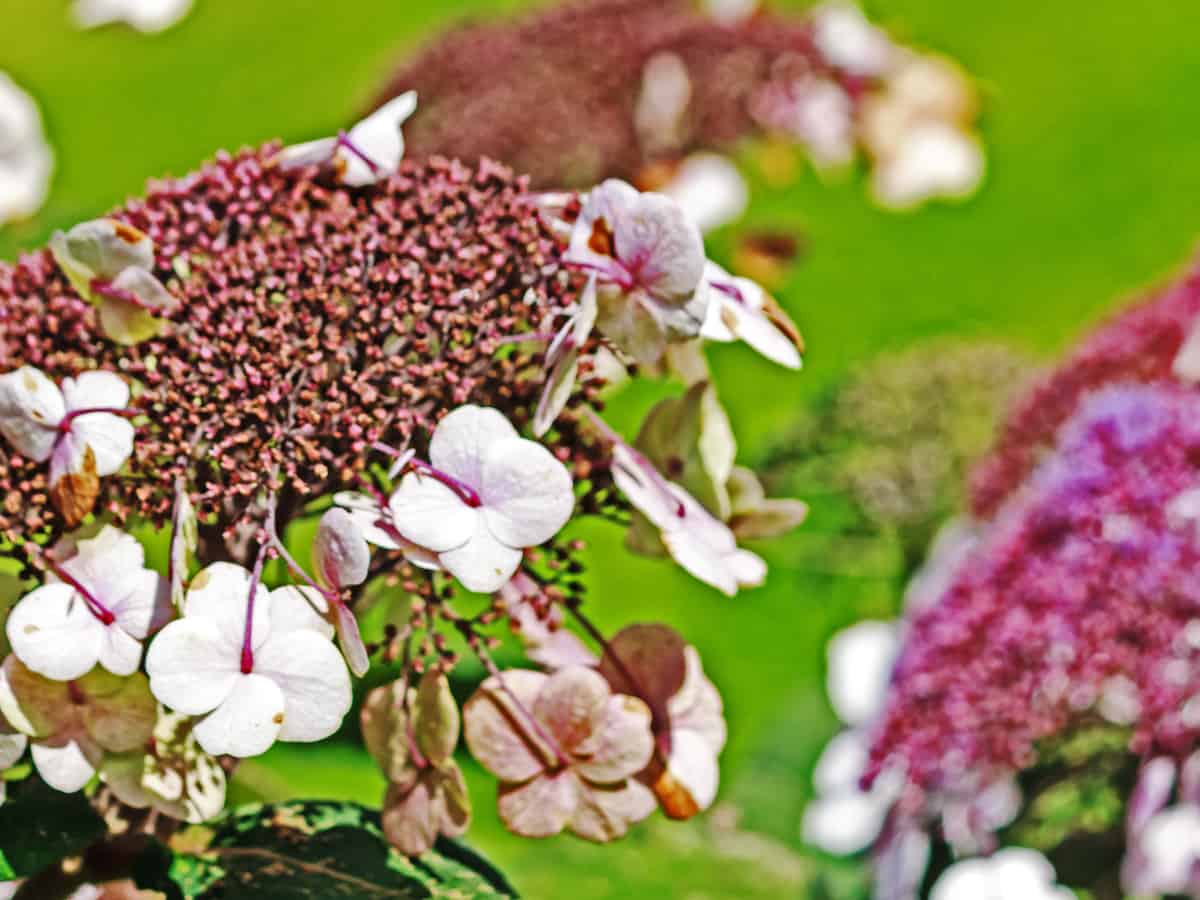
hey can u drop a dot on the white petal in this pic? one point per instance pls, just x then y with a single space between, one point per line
934 160
844 823
120 652
102 248
192 668
247 722
560 384
710 189
527 493
340 552
313 679
483 564
31 406
693 765
430 514
697 558
302 608
591 244
644 487
656 240
65 767
462 440
842 763
370 517
310 153
755 328
53 633
380 138
147 605
12 747
93 390
860 666
109 437
147 16
220 593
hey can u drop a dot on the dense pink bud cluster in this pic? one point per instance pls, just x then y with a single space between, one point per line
1085 575
314 321
1140 344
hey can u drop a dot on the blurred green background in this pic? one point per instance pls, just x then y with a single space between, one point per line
1093 138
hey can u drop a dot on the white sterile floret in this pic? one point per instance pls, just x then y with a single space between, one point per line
648 257
1013 873
731 12
487 495
374 520
697 540
1170 848
847 40
739 308
369 152
562 360
26 160
45 423
843 818
105 603
144 15
281 678
710 189
860 666
934 159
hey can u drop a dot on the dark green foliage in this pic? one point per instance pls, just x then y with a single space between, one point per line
312 849
39 826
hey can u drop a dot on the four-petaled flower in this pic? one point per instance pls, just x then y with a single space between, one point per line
487 494
649 259
697 540
80 429
110 264
369 152
256 665
104 603
412 733
73 724
565 749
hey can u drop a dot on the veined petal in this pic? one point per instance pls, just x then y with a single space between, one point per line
541 807
146 605
592 237
498 734
380 138
622 744
31 406
52 632
697 558
192 667
560 383
247 722
313 680
483 564
527 493
120 652
605 812
657 242
463 439
220 593
573 705
340 552
430 514
370 517
644 487
65 767
757 330
309 153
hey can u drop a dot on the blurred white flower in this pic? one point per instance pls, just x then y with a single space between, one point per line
731 12
845 819
1014 873
860 665
847 40
26 160
1169 846
933 160
820 114
144 15
662 102
710 189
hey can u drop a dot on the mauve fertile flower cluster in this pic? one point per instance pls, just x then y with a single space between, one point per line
324 332
1083 586
1144 344
633 89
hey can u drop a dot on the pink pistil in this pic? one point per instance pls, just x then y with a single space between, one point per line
464 491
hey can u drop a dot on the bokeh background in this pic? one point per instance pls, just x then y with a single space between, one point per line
1093 135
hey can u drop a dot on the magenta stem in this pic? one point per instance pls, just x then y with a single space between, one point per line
95 607
104 288
64 424
248 633
464 490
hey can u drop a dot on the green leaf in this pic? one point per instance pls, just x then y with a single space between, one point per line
40 826
312 849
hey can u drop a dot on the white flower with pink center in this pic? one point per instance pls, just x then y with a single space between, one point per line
484 496
256 666
102 604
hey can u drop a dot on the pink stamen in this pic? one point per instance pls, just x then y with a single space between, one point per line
343 140
95 607
464 491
